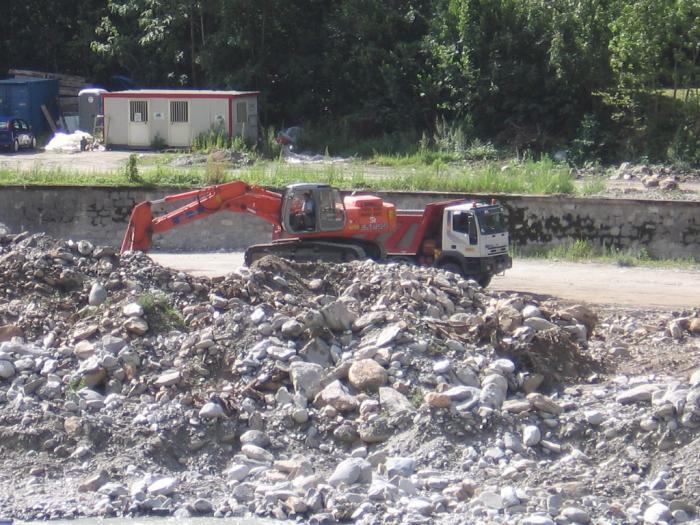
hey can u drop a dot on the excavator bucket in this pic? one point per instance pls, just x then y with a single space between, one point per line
138 233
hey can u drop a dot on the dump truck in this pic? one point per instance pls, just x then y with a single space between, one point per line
465 237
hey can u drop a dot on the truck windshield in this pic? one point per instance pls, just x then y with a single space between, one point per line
490 220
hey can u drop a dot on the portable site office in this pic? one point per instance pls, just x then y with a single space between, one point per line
138 118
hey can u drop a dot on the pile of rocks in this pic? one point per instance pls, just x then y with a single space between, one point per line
221 158
664 178
363 392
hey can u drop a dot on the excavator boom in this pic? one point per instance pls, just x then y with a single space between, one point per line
234 196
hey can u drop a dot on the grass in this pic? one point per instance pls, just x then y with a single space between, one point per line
535 177
594 186
159 312
583 251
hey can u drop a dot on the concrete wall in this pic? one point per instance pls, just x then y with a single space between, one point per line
665 228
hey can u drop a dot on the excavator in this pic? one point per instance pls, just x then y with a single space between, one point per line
309 221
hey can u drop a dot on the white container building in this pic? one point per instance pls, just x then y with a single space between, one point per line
140 118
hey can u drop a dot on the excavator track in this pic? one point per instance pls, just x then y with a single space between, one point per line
306 251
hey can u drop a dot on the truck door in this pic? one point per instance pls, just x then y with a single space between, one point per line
461 232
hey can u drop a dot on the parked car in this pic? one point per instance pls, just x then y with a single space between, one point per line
15 133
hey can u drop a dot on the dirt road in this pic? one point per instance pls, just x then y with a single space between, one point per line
580 282
86 161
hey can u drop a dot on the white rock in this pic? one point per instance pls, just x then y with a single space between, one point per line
442 367
306 378
133 310
637 394
7 369
658 512
257 453
594 417
163 486
258 316
491 500
538 324
211 411
576 515
531 435
98 295
237 472
393 401
337 316
351 470
531 311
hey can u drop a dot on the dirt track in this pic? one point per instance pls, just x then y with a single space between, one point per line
580 282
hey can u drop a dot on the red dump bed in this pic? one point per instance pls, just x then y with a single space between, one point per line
415 226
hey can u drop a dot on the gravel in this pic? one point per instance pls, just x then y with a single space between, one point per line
359 392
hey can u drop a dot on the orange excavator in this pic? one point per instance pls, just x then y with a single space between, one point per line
310 221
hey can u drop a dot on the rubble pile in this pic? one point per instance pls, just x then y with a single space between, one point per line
657 182
359 392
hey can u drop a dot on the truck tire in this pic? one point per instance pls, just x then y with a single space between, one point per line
15 146
484 280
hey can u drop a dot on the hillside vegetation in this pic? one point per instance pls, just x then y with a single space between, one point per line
603 81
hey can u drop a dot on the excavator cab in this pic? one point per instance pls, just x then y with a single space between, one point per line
312 208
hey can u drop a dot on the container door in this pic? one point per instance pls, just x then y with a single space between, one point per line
179 130
138 123
20 103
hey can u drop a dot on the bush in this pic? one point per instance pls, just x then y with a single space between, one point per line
131 170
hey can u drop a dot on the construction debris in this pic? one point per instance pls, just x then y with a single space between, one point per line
360 392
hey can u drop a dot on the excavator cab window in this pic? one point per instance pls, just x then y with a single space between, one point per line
310 210
331 214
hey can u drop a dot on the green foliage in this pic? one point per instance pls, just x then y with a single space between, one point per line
593 186
215 171
584 251
76 384
421 76
269 147
417 398
215 138
131 170
160 314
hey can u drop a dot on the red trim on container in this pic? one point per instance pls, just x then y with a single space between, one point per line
174 95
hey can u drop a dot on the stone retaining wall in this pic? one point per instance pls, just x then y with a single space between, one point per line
665 228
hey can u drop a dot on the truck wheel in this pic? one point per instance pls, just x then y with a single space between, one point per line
33 146
484 280
15 146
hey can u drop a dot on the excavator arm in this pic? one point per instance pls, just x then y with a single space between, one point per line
234 196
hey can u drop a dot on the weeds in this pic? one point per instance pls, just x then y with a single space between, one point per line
215 172
582 250
417 398
131 170
594 186
160 314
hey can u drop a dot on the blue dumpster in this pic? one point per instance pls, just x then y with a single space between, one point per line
22 97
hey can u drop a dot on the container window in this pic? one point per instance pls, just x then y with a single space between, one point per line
179 111
138 111
241 112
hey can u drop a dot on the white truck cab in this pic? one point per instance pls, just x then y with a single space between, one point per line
474 240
